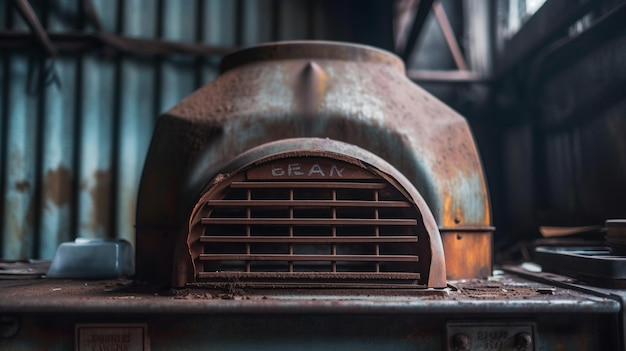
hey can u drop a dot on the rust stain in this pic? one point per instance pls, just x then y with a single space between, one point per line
58 185
22 185
450 213
101 198
467 255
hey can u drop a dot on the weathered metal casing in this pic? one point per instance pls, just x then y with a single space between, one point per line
351 93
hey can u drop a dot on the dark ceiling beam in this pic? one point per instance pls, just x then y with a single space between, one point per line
69 43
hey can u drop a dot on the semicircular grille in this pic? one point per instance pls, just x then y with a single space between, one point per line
308 220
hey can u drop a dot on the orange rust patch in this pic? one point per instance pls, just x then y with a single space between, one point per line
58 185
468 255
452 215
22 186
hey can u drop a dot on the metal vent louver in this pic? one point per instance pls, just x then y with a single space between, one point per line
308 220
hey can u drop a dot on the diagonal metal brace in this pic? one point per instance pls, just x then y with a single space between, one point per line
27 12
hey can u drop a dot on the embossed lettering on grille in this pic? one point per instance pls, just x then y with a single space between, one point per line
307 220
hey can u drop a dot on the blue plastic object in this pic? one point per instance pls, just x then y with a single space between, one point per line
93 258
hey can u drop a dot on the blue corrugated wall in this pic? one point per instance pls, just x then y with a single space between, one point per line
72 153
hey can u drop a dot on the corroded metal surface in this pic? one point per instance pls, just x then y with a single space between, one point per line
502 295
350 93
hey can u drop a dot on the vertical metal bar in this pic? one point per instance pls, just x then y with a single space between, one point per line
4 120
311 19
290 263
76 135
448 34
377 229
275 20
416 28
248 215
239 22
199 38
39 143
334 231
158 64
115 128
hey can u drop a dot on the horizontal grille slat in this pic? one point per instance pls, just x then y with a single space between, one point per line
308 258
311 221
307 185
309 239
307 203
310 275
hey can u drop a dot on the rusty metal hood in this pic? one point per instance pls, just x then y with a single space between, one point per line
351 93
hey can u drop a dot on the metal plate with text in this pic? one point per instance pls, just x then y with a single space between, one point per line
490 336
112 336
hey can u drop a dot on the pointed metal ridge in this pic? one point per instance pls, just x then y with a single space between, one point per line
312 86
